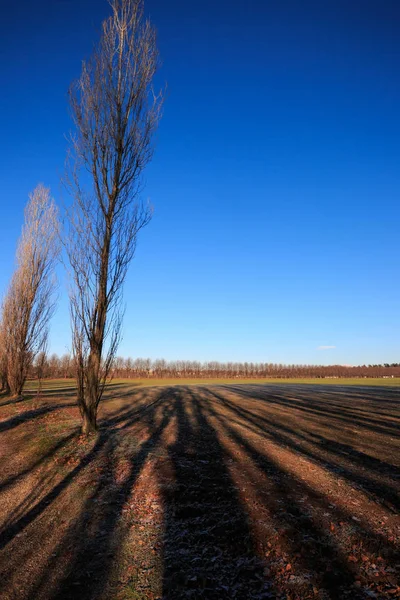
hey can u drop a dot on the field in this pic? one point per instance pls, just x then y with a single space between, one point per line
221 490
51 385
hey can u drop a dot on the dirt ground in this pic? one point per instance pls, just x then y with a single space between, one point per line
219 492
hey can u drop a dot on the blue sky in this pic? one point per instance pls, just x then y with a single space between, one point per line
275 181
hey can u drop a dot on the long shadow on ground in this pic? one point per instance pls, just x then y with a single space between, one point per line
208 547
340 459
211 545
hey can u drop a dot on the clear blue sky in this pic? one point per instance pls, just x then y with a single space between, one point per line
275 182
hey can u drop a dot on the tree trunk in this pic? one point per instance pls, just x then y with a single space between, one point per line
16 386
91 400
80 388
89 422
16 373
5 387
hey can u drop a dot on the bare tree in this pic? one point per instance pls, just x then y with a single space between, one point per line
40 367
115 112
29 301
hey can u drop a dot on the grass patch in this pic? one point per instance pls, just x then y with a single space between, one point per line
43 443
58 385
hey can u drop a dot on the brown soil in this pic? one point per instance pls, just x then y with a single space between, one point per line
220 492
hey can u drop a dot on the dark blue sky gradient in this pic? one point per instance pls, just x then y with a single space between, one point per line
275 180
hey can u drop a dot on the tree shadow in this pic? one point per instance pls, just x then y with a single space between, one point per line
10 401
69 391
95 537
310 543
30 415
212 547
208 547
370 474
92 541
46 456
312 403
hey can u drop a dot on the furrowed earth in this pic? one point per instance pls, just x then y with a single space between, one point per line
209 491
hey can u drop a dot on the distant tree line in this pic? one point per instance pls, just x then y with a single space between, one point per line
64 367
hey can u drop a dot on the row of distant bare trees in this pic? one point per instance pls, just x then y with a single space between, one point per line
115 112
63 367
